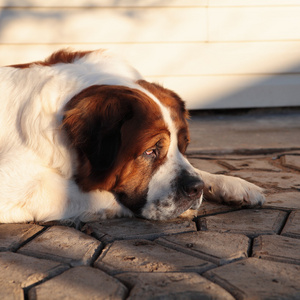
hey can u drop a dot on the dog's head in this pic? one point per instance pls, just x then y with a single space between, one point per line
131 141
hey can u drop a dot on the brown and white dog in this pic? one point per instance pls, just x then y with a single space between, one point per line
83 136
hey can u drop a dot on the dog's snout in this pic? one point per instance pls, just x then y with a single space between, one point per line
192 186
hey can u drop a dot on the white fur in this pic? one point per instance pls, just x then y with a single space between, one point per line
36 163
232 190
160 187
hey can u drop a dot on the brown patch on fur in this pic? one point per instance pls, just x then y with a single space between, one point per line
61 56
179 114
111 127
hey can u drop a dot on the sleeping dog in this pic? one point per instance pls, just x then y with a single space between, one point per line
83 136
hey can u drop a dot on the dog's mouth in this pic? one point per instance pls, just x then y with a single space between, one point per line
169 209
195 204
186 192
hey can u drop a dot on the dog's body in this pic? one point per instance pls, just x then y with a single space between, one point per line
84 136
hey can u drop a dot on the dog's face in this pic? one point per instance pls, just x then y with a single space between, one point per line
131 142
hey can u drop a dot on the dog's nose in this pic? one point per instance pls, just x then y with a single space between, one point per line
192 186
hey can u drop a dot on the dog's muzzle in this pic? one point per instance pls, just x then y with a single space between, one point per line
190 186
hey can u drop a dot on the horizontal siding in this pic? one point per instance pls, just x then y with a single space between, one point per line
146 3
215 53
251 3
254 23
235 91
104 3
118 25
166 59
122 25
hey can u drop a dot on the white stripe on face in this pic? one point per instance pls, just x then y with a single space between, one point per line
163 200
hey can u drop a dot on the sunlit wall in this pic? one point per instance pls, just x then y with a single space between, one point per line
214 53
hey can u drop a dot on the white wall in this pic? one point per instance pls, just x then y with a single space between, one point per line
214 53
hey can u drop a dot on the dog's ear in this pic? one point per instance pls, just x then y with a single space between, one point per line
93 120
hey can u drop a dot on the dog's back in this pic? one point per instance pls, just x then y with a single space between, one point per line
35 160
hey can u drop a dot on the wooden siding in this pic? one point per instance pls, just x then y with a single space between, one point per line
214 53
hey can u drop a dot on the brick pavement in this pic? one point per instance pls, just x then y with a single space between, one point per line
218 252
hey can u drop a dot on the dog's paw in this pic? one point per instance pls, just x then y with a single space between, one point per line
242 193
246 194
236 191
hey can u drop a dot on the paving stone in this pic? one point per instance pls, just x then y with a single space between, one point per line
207 165
219 248
64 244
227 156
11 291
258 279
132 228
244 164
291 152
291 161
244 133
80 283
12 236
287 200
278 248
292 226
208 208
147 256
251 222
171 286
18 271
283 180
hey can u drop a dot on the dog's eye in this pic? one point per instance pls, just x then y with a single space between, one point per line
150 152
155 151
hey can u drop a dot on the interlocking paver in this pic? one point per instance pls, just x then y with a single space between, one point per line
11 291
147 256
131 228
80 283
278 248
283 180
287 200
251 222
18 271
164 268
250 163
291 161
12 236
292 226
219 248
172 286
207 165
258 279
245 133
63 244
209 208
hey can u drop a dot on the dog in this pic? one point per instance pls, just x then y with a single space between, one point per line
83 137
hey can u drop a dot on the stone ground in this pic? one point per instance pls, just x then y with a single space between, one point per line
218 252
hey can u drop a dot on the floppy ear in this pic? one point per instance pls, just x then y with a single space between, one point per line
93 121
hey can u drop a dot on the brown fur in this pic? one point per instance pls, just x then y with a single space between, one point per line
111 127
61 56
179 113
126 121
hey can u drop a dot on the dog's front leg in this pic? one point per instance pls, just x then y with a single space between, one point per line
231 190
